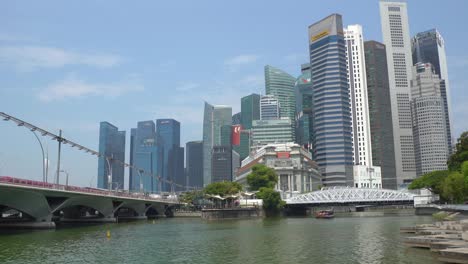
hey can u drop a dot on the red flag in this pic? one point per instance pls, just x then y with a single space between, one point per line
235 134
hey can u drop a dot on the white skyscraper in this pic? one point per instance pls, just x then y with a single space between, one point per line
365 175
358 94
429 130
395 30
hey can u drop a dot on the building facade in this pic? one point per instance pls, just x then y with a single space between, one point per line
221 164
281 85
380 112
112 145
194 163
269 107
214 118
333 143
357 79
367 177
429 46
395 30
297 172
272 131
303 91
147 157
168 135
429 130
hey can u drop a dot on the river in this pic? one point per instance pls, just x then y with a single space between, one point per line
367 237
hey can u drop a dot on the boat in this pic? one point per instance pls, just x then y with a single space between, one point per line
327 214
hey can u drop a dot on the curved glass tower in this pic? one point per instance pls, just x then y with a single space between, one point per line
303 91
281 85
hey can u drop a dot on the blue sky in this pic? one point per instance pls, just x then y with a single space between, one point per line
70 65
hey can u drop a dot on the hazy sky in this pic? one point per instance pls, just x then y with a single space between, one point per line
72 64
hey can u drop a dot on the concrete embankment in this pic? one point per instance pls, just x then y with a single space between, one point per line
231 213
448 238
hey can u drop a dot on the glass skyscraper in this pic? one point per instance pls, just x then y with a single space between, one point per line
303 90
281 85
168 135
332 144
112 145
146 157
380 112
250 110
214 118
194 163
429 46
269 107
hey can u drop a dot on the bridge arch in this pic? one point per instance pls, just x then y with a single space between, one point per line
31 203
343 195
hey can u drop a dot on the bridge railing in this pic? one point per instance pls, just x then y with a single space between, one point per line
88 190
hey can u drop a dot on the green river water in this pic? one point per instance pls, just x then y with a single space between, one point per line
368 237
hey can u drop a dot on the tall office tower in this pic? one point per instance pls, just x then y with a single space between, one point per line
303 92
250 110
132 151
429 46
147 158
214 118
269 107
427 105
281 84
111 145
272 131
356 66
395 30
333 143
176 170
380 112
221 164
236 162
236 118
194 163
168 134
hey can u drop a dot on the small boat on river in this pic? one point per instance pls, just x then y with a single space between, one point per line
327 214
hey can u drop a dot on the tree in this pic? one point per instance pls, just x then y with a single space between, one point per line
272 202
261 176
192 197
461 153
454 187
223 188
434 181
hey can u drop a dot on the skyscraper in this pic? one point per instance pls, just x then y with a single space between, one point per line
214 118
281 85
358 94
380 112
221 164
333 146
147 158
236 118
269 107
250 110
429 130
395 30
271 131
194 163
132 152
168 134
112 146
303 92
429 46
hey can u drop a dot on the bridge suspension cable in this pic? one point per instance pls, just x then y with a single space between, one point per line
73 144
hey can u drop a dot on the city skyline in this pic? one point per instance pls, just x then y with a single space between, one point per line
85 130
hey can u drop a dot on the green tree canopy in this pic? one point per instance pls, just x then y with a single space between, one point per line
461 153
192 197
272 202
454 187
261 176
223 188
434 181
